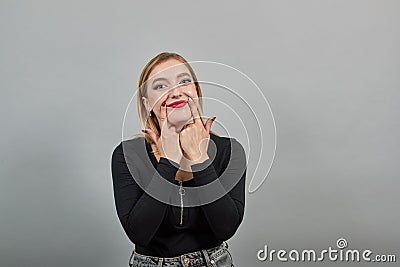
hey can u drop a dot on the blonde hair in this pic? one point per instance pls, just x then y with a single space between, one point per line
151 122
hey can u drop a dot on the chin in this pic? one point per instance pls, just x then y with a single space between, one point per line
179 119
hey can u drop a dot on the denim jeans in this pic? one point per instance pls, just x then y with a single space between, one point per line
214 257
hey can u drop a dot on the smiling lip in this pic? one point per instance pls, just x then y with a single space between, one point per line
177 104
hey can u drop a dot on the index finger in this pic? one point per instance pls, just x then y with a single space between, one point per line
163 113
194 109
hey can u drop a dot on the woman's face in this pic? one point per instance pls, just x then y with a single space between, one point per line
170 81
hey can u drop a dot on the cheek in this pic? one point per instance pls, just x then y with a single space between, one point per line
156 108
191 91
155 102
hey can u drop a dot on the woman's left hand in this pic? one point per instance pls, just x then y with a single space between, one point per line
194 137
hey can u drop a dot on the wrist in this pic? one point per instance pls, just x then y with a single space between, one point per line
200 159
186 162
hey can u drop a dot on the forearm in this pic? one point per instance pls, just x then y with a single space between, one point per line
226 213
139 213
148 213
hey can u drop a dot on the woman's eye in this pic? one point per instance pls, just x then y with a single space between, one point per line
185 81
159 86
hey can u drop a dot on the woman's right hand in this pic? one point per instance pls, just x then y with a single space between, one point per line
168 142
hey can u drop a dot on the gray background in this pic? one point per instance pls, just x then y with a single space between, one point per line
328 68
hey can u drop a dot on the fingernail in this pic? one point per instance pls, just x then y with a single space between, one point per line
145 131
213 118
190 99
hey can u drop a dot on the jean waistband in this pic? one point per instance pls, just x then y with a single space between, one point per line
205 253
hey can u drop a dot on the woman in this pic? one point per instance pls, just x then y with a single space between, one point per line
177 145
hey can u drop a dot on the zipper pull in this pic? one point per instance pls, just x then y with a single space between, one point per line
181 192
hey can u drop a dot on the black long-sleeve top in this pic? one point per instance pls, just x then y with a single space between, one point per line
155 226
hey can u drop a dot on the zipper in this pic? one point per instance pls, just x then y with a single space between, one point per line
181 193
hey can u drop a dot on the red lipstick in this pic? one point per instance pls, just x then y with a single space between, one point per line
178 104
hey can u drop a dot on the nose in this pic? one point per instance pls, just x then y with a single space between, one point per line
175 92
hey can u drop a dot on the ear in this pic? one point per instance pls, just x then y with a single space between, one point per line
146 103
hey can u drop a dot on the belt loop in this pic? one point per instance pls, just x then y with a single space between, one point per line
160 262
205 253
130 262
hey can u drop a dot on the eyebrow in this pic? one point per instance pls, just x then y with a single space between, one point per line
178 76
